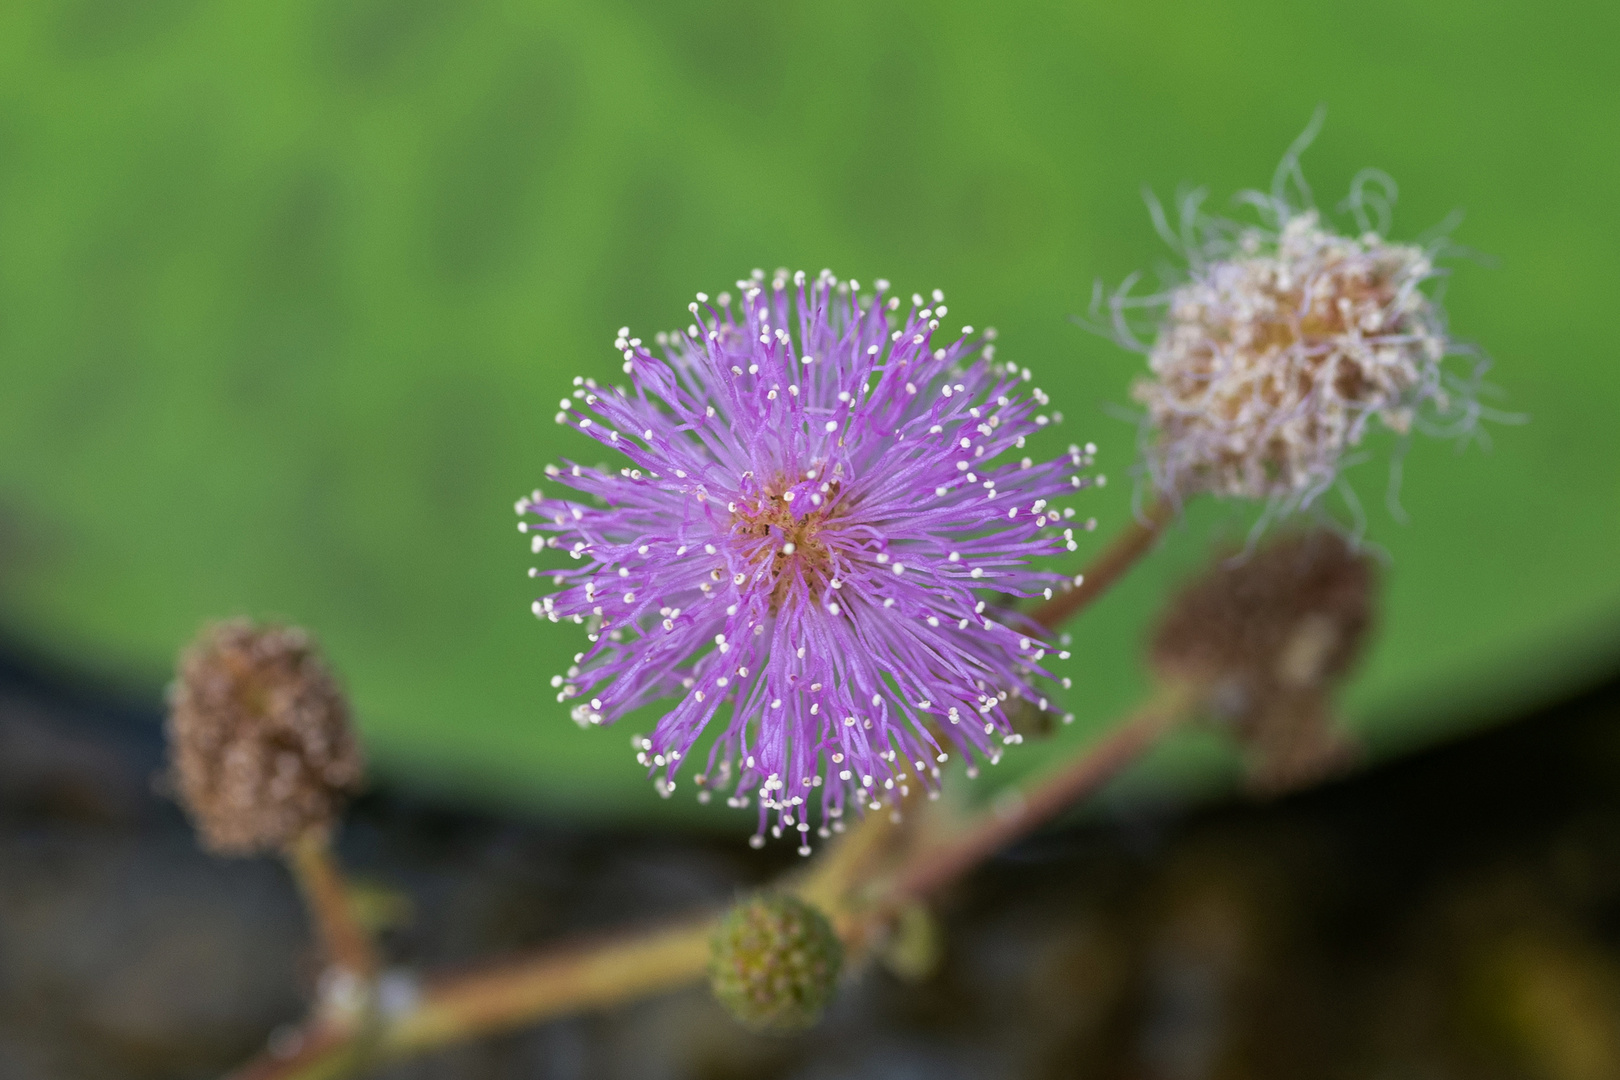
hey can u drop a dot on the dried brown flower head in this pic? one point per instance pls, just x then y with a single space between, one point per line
1269 635
259 737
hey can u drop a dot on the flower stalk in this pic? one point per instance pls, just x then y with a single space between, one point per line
555 983
566 980
320 879
1116 559
1021 811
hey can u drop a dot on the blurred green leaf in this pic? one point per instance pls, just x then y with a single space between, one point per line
288 292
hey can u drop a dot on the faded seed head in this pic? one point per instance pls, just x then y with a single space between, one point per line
1269 636
1285 339
1270 365
259 737
1292 615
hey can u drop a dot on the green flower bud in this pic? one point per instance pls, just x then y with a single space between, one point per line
773 962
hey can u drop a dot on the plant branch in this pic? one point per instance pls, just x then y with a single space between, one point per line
1109 566
1021 811
552 984
497 997
326 894
565 980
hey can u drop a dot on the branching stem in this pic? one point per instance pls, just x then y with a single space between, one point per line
582 976
326 894
1021 811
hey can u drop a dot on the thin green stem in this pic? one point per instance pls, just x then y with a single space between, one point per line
500 996
552 984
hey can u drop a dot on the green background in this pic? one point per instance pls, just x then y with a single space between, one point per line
288 292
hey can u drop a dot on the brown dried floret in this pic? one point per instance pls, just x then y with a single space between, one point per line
1269 635
260 741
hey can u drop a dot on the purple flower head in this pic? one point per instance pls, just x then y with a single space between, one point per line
821 517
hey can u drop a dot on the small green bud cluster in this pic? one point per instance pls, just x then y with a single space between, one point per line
773 963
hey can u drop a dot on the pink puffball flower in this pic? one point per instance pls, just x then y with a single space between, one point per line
812 544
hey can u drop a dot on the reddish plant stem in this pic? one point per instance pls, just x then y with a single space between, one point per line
562 981
933 866
1119 556
496 997
566 980
326 894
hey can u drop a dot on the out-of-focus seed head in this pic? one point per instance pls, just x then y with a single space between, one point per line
1293 613
1286 341
260 743
774 963
1271 365
1269 635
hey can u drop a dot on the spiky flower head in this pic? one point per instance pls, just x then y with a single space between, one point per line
773 962
1287 341
821 516
259 737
